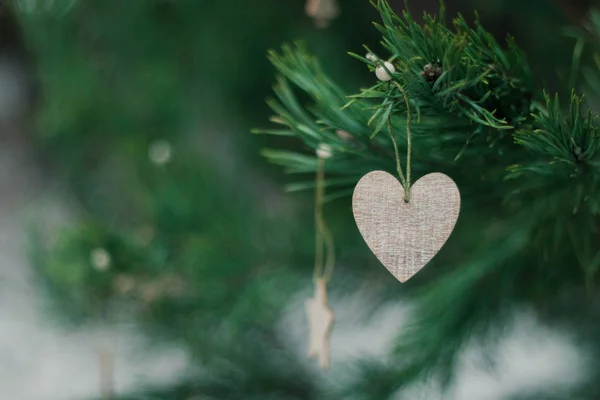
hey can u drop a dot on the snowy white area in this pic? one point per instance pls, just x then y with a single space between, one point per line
531 357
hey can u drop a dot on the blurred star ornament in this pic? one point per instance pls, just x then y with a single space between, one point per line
404 236
320 316
320 319
322 11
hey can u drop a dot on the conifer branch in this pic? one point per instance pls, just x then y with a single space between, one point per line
533 170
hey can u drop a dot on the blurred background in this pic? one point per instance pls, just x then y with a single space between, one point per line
148 251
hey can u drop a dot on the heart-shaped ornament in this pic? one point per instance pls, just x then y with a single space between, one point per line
405 236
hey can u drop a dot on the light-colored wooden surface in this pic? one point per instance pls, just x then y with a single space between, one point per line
320 319
405 236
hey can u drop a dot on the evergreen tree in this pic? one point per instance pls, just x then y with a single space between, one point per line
525 168
181 233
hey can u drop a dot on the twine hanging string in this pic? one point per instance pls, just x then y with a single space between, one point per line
320 316
324 239
405 181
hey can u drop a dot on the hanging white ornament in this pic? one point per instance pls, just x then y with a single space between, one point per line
324 151
100 259
382 74
322 11
160 152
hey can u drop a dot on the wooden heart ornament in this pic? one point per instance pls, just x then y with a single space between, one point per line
405 236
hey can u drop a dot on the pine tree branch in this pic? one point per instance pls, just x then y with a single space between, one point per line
482 118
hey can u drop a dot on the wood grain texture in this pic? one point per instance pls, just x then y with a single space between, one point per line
320 319
405 236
